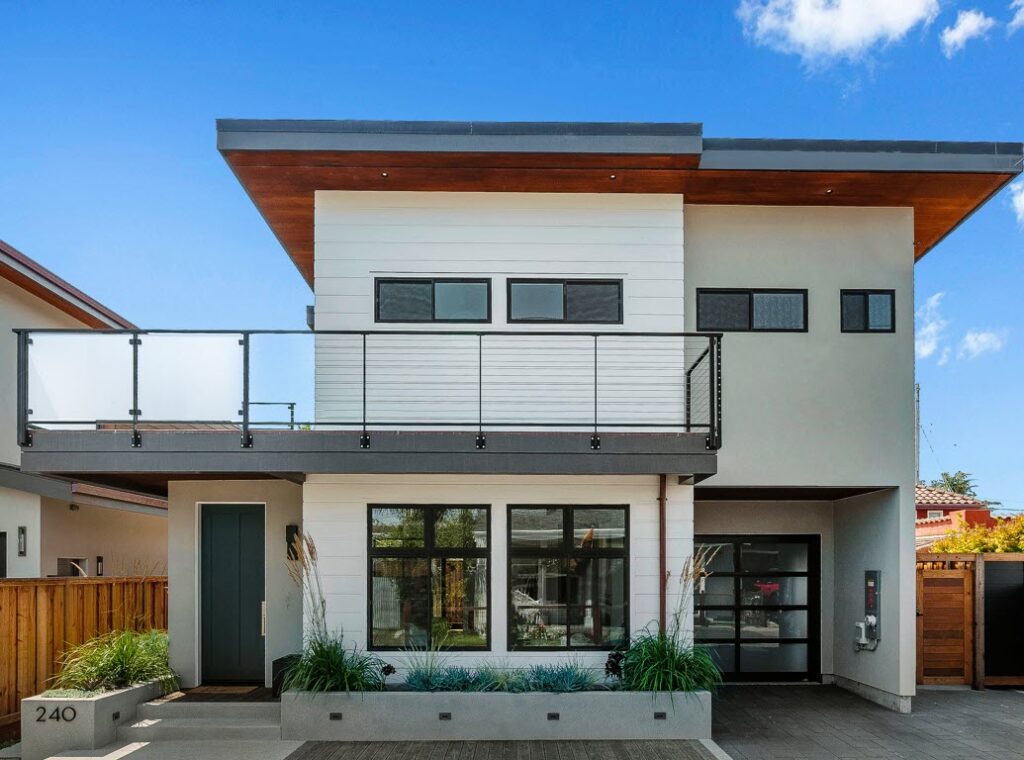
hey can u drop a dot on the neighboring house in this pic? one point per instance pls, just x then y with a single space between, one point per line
549 359
941 512
52 525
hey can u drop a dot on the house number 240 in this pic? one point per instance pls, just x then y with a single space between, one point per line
66 714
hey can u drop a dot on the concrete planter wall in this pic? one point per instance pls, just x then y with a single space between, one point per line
420 716
51 725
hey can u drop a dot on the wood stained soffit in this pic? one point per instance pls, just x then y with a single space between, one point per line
282 184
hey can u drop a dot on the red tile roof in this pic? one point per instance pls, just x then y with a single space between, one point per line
926 496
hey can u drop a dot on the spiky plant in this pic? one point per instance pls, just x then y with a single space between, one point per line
326 664
116 660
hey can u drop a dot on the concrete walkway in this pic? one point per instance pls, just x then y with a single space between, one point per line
826 723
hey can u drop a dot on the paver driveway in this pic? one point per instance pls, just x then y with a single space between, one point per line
825 722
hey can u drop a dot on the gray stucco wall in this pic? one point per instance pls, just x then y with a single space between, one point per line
283 502
821 408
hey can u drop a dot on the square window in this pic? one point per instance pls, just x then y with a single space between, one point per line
593 301
537 301
429 577
461 301
405 301
779 311
867 311
568 588
723 310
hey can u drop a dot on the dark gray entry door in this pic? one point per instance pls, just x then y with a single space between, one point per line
232 592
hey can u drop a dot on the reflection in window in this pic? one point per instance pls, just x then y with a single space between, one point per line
429 583
567 583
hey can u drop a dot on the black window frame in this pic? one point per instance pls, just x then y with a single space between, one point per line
433 281
428 552
566 551
738 573
564 282
865 292
750 293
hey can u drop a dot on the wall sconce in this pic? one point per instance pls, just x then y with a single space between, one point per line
99 565
291 535
22 541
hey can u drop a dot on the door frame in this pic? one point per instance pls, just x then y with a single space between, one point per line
198 589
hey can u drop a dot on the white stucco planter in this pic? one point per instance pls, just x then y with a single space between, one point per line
51 725
434 716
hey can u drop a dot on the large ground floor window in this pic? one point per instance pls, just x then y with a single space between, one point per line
429 579
568 577
759 609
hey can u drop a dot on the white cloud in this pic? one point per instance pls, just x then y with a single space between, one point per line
978 342
1017 197
968 25
944 358
931 328
823 30
1017 22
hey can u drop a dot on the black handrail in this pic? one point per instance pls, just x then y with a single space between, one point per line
712 353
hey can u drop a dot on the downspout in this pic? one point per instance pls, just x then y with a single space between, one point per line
662 569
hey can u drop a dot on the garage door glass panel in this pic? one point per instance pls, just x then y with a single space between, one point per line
759 608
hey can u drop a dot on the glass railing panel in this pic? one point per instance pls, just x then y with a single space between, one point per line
79 379
190 378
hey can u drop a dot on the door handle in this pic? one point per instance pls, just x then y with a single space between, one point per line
263 618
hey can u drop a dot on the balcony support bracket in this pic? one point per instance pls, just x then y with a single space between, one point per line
481 441
595 442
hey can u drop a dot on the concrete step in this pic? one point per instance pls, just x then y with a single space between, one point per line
199 729
268 712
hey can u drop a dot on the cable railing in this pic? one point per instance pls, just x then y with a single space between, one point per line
367 381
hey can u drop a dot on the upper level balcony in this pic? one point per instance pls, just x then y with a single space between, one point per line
140 407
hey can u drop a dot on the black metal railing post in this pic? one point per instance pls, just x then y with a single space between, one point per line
711 442
595 439
364 439
481 439
718 392
291 415
246 433
135 341
24 433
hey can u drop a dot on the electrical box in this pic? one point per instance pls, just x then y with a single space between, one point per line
872 602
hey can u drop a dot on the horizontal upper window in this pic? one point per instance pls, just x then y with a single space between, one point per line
867 310
433 300
748 309
572 301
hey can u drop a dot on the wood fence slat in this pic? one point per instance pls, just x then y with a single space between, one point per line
41 617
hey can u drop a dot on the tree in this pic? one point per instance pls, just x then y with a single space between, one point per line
1007 535
959 482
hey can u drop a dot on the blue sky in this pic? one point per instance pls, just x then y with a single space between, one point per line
110 174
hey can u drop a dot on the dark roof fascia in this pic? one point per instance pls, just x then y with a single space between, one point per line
460 137
861 155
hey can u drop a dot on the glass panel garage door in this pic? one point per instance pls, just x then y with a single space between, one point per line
758 610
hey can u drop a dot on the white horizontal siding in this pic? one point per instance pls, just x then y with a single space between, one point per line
335 515
636 238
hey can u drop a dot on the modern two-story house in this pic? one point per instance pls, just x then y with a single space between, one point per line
58 526
546 361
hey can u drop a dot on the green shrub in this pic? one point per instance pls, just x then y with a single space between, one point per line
657 661
327 665
444 678
565 678
116 660
500 677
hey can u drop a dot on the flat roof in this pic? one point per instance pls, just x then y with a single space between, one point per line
282 163
36 279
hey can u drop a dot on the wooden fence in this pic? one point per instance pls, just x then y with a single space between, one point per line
40 617
953 644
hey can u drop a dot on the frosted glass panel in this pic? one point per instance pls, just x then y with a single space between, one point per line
190 377
80 377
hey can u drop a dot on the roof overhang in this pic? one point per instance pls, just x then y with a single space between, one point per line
34 278
282 164
82 494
